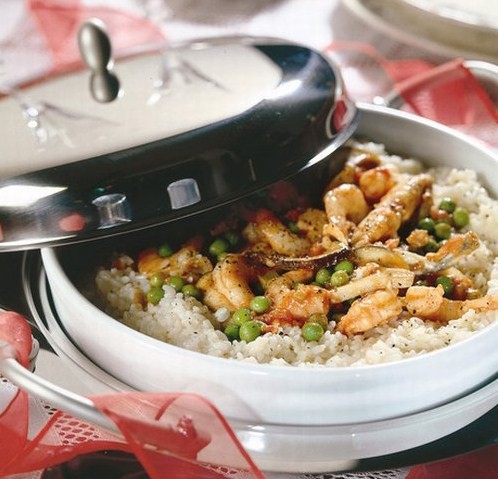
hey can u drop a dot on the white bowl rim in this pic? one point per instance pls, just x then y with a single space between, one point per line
426 122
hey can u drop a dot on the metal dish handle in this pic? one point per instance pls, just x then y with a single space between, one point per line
60 398
486 73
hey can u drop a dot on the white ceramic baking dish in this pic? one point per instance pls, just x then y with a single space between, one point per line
264 394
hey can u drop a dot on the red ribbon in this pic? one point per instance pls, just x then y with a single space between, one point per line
59 20
16 331
183 434
449 94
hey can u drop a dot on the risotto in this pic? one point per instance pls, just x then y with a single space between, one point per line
352 288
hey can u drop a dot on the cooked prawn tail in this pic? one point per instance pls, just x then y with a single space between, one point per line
345 206
397 278
457 246
370 311
396 207
427 302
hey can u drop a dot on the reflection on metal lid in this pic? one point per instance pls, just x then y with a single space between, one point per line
19 195
163 94
195 127
183 193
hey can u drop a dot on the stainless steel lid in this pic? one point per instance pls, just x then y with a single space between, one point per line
191 128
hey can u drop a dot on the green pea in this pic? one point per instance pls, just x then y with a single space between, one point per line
460 217
431 246
218 246
241 316
344 265
320 319
221 256
155 295
156 280
322 276
232 332
312 331
259 304
442 231
249 331
448 220
293 227
232 237
339 278
192 291
447 284
447 204
165 250
427 224
176 282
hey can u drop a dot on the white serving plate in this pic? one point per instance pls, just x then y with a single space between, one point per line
286 396
437 27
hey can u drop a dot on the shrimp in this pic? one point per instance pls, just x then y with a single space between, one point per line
345 206
379 255
292 300
299 301
187 262
211 296
346 176
407 196
382 225
463 286
451 251
457 246
372 310
396 278
418 238
359 161
427 302
265 226
396 207
230 278
311 222
426 204
375 183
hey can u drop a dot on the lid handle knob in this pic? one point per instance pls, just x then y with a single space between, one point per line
96 51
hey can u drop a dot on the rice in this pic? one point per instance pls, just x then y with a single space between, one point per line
187 323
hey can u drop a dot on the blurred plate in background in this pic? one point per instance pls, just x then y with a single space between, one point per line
481 14
451 28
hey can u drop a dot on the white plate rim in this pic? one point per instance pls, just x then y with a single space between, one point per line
362 10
